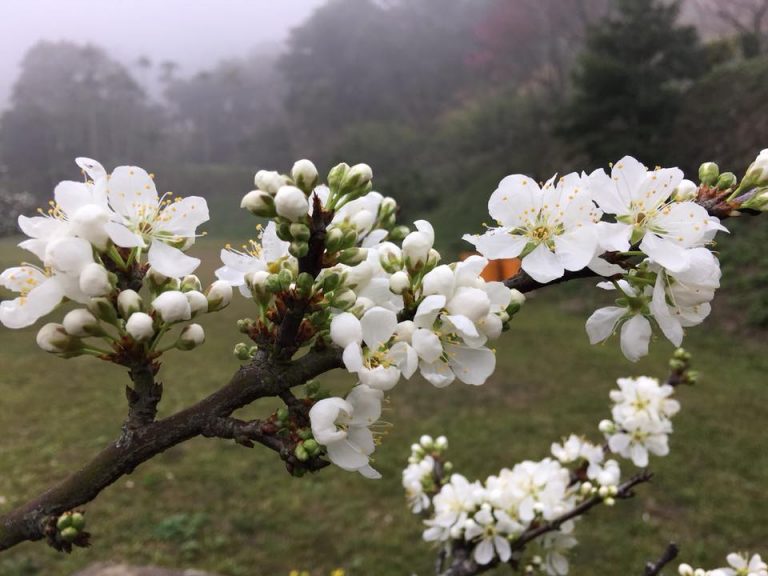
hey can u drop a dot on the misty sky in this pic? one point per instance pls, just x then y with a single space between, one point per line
193 33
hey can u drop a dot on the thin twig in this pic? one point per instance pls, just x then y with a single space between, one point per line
655 568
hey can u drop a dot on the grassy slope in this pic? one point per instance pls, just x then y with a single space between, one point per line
220 507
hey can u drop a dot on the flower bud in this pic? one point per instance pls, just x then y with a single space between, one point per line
343 299
88 223
337 175
399 282
357 181
709 172
80 323
416 247
259 203
331 282
198 303
311 446
304 174
269 181
140 326
219 295
426 441
607 426
300 232
157 281
69 534
94 280
352 256
398 233
304 283
273 284
757 173
285 277
298 249
103 309
128 302
291 203
334 239
78 521
242 351
190 282
301 453
191 337
388 206
441 443
686 191
172 306
685 570
726 180
53 338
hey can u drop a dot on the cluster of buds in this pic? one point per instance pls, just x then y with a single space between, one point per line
67 531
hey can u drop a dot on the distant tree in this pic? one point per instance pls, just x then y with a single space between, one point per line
73 100
747 19
627 86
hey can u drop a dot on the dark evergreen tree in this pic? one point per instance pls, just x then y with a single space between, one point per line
636 65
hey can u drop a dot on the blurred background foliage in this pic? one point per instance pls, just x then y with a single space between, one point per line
441 97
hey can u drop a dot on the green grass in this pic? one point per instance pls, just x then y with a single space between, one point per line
220 507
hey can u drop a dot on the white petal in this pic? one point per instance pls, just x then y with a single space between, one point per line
378 326
576 247
662 251
183 217
428 310
427 345
439 374
471 365
483 553
353 357
130 191
171 261
542 265
635 337
669 325
516 200
122 236
614 236
602 323
497 243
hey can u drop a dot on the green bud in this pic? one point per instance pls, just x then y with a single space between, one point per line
69 534
300 232
387 207
191 282
244 325
103 309
304 434
298 249
682 354
331 282
336 176
691 377
304 284
311 446
726 180
301 453
304 174
320 318
282 414
284 231
709 172
273 284
398 233
343 299
64 521
349 240
242 351
334 239
286 279
78 521
352 256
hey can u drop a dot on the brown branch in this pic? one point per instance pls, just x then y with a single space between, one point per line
259 379
655 568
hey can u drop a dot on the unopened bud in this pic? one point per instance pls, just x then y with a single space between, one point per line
304 174
399 282
291 203
140 326
726 180
343 299
95 280
300 232
242 351
441 443
80 323
301 453
304 283
103 309
269 181
607 426
198 303
69 534
78 521
337 175
757 173
352 256
709 172
331 282
426 441
219 295
298 249
286 279
172 306
191 337
128 302
686 191
53 338
190 282
311 446
398 233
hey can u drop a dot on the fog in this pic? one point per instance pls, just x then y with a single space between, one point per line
193 34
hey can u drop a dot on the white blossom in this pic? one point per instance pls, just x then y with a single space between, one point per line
172 306
140 326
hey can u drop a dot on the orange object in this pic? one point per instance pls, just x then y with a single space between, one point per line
497 270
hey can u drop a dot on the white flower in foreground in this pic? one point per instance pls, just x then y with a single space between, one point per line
643 397
256 257
639 436
417 244
607 474
140 326
552 229
575 448
343 427
380 364
557 544
742 564
172 306
641 202
141 217
361 214
636 330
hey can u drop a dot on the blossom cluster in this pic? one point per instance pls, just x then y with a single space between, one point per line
739 564
643 229
495 518
101 244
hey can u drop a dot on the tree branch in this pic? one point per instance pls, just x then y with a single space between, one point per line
260 378
655 568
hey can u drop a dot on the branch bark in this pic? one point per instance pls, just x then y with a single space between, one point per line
655 568
259 379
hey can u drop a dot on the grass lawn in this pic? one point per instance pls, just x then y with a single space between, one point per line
220 507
